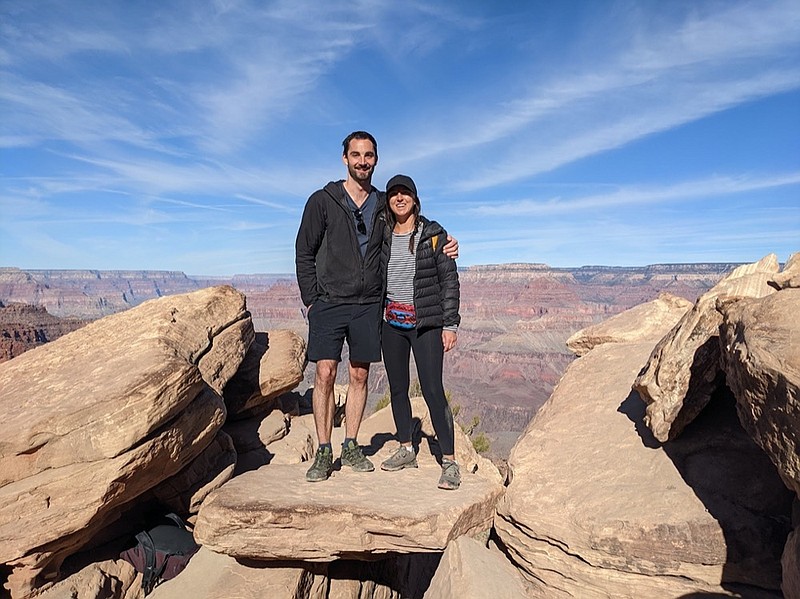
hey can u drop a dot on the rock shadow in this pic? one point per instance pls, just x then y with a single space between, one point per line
701 595
738 485
252 454
406 575
379 440
634 408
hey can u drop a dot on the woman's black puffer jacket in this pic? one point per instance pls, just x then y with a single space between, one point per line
436 287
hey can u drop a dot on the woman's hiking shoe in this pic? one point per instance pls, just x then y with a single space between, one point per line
322 467
402 458
451 476
353 456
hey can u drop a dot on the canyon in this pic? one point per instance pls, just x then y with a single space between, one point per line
663 464
511 352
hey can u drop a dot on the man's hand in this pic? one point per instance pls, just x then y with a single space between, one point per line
449 339
451 247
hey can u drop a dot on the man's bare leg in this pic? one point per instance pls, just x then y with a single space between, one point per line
322 399
356 398
352 455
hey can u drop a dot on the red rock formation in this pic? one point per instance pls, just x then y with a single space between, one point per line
23 327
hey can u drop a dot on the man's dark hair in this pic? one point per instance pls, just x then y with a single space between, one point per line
358 135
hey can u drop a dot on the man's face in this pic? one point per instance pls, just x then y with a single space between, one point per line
360 159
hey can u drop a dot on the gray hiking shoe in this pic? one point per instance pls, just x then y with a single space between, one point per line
451 476
353 456
322 467
402 458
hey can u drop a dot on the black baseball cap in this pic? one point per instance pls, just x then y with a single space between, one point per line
402 181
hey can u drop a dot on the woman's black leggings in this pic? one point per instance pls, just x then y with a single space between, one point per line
429 356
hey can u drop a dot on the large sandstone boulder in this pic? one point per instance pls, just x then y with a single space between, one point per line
597 508
184 492
651 320
469 570
273 514
106 579
273 365
276 437
760 347
683 369
96 418
789 277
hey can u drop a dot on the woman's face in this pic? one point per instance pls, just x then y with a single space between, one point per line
401 202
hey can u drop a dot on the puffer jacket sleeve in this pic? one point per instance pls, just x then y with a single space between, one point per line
436 287
449 285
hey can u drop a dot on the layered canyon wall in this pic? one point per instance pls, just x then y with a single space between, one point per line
511 350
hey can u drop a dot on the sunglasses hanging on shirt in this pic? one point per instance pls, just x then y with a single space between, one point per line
360 224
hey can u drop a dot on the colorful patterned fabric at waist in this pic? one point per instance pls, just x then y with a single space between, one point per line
402 316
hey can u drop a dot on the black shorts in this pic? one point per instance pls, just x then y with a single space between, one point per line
330 324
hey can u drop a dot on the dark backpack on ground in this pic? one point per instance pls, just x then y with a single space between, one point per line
162 552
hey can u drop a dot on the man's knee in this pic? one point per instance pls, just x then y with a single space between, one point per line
359 373
326 373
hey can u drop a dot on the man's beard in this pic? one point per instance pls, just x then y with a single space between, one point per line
361 174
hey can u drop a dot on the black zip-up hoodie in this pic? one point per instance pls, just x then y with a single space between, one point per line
328 260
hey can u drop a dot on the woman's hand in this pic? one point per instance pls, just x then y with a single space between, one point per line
449 339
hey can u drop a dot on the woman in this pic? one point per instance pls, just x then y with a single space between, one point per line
422 300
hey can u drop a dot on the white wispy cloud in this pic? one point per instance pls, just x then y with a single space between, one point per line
638 195
269 204
734 32
265 60
663 79
190 133
68 30
217 77
38 112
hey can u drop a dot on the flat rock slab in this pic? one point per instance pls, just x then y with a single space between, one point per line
273 513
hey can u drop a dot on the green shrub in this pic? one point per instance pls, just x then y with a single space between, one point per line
383 401
481 443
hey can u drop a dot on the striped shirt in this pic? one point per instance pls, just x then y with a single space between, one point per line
400 273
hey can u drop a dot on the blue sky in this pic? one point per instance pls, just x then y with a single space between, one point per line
187 135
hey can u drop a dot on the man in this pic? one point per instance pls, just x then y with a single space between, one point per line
338 263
